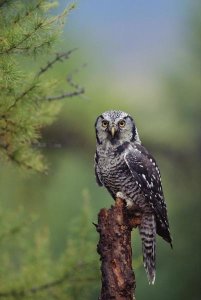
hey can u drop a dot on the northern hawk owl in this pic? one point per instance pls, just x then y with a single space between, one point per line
128 170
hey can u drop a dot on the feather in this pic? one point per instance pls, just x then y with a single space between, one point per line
144 169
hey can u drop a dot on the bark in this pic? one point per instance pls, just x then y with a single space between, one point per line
115 226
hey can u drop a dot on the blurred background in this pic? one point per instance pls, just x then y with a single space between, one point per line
142 57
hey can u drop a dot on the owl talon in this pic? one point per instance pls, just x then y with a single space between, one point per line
120 195
129 204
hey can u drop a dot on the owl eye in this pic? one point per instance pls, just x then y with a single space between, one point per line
105 123
122 123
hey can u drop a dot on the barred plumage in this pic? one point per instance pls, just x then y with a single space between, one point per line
147 231
124 166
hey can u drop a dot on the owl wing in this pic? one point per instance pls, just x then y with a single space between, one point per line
145 171
97 170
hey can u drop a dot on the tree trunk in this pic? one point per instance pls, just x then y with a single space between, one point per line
115 226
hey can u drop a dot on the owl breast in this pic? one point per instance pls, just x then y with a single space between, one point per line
116 176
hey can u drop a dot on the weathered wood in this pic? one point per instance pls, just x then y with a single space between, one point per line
114 247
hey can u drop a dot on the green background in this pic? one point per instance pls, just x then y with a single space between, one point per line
165 103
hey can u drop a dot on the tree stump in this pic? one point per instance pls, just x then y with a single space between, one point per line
115 226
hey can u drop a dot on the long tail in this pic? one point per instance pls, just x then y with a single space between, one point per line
147 231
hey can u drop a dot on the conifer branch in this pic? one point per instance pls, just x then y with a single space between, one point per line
29 89
59 57
28 12
79 90
70 81
24 39
28 29
20 163
26 48
43 23
12 158
66 95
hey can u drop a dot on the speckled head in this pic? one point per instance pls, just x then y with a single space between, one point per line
116 127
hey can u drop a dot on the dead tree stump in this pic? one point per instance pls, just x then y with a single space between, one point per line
114 247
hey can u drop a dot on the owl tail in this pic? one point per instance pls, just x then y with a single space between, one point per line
147 231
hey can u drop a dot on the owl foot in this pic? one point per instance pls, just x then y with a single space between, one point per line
120 195
129 202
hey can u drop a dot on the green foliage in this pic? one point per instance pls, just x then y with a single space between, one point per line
28 30
28 268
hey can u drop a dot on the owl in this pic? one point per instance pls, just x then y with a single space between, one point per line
127 170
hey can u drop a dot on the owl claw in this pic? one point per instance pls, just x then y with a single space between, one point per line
120 195
129 204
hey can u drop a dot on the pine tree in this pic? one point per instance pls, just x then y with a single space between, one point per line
28 31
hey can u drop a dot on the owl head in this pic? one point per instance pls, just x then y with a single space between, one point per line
116 127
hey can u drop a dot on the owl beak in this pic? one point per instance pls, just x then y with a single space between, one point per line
113 131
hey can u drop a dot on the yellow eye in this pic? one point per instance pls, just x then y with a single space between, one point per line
105 123
122 123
